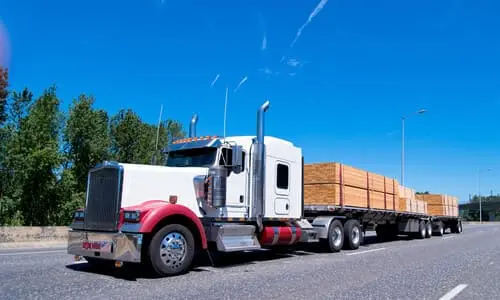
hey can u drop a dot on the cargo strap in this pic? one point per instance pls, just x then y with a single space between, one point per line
368 189
341 177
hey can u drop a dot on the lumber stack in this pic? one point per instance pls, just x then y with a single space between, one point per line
338 184
440 204
408 201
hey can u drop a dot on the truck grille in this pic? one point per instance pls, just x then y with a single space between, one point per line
103 199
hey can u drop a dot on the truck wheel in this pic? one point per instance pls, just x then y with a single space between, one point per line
352 234
428 227
335 237
422 230
171 250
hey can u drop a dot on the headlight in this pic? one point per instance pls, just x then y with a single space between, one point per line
132 216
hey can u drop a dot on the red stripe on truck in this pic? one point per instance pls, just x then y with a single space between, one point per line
154 211
280 235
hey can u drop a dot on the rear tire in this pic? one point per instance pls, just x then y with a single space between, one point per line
171 250
422 230
440 229
335 237
428 227
352 234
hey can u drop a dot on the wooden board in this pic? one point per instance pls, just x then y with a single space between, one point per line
440 204
332 194
349 176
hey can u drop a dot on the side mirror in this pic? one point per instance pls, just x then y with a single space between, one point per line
237 159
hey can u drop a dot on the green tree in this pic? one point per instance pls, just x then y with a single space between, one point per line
86 136
39 137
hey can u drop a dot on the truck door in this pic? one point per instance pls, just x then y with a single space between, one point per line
281 190
236 187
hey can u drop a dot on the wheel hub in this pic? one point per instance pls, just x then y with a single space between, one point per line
337 236
355 235
173 249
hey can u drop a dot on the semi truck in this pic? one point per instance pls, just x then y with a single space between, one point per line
223 194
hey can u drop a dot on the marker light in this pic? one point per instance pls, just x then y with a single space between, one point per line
172 199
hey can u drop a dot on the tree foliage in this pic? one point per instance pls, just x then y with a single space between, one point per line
45 155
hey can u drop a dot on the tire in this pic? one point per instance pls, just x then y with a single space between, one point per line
422 230
428 232
335 237
440 231
352 234
172 262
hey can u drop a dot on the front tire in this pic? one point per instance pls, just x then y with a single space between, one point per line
171 250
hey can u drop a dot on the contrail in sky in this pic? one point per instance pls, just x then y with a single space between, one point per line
215 80
315 12
241 83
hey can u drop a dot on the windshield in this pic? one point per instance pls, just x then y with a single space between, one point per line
198 157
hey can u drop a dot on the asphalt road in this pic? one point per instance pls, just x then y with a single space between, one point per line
462 265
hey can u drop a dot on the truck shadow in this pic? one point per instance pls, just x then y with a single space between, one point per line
208 260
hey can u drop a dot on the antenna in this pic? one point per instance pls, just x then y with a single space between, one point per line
225 112
153 160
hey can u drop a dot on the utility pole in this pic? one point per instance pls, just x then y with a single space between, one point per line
403 146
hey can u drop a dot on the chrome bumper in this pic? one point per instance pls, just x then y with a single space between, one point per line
124 247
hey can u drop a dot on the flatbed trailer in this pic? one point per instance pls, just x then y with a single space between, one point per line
328 221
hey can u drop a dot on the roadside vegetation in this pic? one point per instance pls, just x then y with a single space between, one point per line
45 153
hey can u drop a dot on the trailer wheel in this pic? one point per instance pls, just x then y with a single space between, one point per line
335 237
440 229
422 230
171 250
428 232
352 234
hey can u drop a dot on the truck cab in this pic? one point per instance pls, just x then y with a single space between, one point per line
239 193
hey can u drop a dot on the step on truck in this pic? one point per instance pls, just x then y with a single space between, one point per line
222 194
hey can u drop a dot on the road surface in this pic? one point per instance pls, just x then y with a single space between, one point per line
456 266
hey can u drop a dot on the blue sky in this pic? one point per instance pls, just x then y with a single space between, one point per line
339 93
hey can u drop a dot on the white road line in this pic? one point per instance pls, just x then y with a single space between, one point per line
363 252
28 253
449 237
454 292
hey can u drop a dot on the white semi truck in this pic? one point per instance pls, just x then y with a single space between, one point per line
228 194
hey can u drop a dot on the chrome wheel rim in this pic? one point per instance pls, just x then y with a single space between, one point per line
173 249
355 235
337 236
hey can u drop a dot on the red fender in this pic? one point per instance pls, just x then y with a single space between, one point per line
152 212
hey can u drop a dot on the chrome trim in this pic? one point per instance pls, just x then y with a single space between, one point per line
259 165
192 127
125 247
120 170
322 224
130 227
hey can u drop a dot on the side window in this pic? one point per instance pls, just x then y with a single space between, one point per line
282 176
227 157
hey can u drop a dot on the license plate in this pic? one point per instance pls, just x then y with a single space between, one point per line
98 246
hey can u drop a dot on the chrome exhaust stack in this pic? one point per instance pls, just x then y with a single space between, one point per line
192 126
259 155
